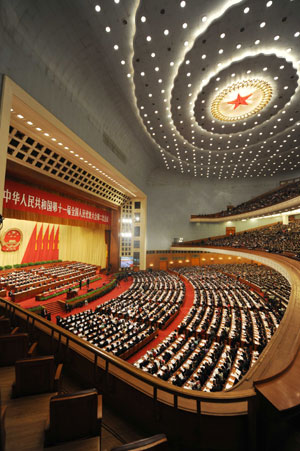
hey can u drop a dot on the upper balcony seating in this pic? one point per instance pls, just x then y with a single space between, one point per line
268 199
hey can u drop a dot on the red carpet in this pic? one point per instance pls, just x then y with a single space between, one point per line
162 334
188 302
112 294
104 280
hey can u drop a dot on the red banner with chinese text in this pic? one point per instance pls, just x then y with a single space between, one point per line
23 197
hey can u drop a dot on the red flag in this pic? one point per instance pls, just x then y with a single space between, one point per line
31 250
39 243
45 246
51 245
56 245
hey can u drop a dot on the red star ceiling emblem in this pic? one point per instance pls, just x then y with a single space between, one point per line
240 100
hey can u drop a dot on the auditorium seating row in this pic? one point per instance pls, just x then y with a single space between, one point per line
153 297
69 417
222 335
28 283
273 285
279 238
274 197
125 324
36 375
120 336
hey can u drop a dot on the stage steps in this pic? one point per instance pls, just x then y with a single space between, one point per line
55 308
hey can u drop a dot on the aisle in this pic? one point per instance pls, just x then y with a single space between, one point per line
162 334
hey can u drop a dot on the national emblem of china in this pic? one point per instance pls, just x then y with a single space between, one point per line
11 240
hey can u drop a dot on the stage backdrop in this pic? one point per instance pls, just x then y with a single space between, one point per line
28 241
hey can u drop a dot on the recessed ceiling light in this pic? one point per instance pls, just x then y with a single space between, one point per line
182 4
257 42
297 34
268 4
276 37
186 43
107 29
117 1
204 19
20 116
38 129
166 32
222 36
221 51
116 47
239 46
184 25
142 74
265 68
98 8
148 38
203 56
262 25
281 67
171 63
246 10
29 123
123 62
128 75
143 19
153 55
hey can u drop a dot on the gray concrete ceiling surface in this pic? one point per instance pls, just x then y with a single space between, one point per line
212 85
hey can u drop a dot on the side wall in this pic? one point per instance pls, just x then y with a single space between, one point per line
43 67
173 198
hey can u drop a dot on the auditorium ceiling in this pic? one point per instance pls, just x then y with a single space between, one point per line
213 85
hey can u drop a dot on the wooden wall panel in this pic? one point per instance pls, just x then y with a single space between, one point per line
174 259
163 265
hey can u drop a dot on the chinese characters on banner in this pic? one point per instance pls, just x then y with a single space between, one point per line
22 197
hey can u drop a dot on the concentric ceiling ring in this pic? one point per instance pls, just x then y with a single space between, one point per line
186 64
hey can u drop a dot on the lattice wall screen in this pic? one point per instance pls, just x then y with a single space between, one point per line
126 230
31 153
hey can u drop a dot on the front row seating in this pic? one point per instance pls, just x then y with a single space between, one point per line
74 416
158 441
36 375
14 347
2 427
